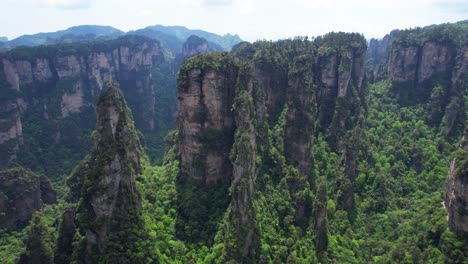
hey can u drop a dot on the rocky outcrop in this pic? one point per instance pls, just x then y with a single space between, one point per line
51 92
341 86
456 193
243 158
206 94
205 120
66 233
403 62
416 64
429 65
301 115
320 217
435 58
376 57
21 194
260 87
195 45
110 204
11 130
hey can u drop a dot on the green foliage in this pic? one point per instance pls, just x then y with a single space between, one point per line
221 62
449 33
12 245
397 185
339 42
199 209
40 243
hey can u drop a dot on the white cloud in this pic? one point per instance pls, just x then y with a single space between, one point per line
460 6
245 7
216 2
65 4
145 13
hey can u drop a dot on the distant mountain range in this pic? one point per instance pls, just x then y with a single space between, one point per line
171 37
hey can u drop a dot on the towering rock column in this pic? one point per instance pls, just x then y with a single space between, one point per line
242 215
110 207
456 196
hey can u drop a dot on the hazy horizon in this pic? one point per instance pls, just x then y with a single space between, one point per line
250 19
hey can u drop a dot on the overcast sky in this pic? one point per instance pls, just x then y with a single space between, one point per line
251 19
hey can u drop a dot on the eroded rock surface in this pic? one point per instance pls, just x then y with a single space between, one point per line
21 194
456 196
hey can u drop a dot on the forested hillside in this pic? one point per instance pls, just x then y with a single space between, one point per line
319 150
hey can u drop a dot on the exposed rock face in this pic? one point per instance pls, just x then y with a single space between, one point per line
341 89
424 67
416 64
195 45
243 157
320 216
72 102
110 197
67 229
456 196
21 194
403 62
205 121
376 57
11 130
435 58
259 83
301 115
47 90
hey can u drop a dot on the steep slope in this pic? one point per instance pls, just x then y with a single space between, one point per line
72 34
109 210
456 197
295 77
226 41
48 96
283 154
21 194
428 65
170 37
195 45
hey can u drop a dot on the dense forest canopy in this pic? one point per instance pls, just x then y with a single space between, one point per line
291 151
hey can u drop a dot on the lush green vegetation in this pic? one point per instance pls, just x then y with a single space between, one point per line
398 215
450 33
373 195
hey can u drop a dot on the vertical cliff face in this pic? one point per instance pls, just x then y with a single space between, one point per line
11 134
205 120
293 89
243 158
376 57
301 113
110 203
426 65
48 95
66 231
195 45
456 196
415 68
341 85
21 194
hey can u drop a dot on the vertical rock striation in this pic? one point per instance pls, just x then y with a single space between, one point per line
47 95
109 211
456 193
429 65
228 105
205 120
21 194
243 158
